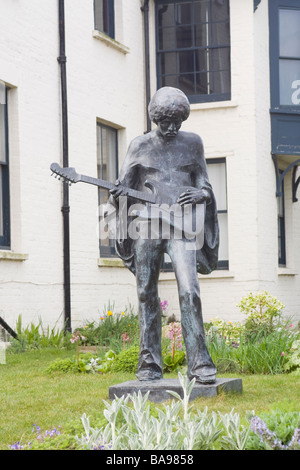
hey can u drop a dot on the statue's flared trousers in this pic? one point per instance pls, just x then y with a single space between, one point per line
148 255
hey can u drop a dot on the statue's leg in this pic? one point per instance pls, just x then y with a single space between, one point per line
148 255
200 364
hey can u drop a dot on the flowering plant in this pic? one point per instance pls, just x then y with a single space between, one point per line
75 338
173 332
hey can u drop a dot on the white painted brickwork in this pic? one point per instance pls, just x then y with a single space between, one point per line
107 84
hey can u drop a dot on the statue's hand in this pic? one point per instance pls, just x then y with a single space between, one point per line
193 196
118 190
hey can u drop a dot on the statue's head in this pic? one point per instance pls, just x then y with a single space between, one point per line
169 102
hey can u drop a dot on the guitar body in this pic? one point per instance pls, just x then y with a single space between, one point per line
161 202
187 219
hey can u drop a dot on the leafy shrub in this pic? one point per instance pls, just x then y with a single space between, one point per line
127 360
35 337
174 428
293 358
67 365
261 345
85 363
263 313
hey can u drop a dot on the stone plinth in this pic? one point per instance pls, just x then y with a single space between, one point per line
159 388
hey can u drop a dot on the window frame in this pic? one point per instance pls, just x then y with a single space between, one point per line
104 250
281 228
108 18
195 98
222 264
274 8
5 196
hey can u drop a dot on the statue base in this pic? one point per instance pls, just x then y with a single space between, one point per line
159 388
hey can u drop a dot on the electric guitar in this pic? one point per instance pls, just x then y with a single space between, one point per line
161 201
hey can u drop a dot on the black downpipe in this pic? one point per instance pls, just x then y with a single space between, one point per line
65 144
145 10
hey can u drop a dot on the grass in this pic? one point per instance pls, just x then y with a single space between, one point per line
30 395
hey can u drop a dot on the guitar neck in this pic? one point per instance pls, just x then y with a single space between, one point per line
139 195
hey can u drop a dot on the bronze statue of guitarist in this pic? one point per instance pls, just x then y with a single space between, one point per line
173 159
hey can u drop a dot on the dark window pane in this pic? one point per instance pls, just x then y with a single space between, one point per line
184 37
289 33
289 82
166 15
220 10
167 63
169 80
220 34
2 134
201 11
166 38
202 60
1 204
202 83
107 162
201 35
104 16
4 173
186 61
220 82
183 13
186 83
219 58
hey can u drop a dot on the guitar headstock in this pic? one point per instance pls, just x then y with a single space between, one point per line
68 173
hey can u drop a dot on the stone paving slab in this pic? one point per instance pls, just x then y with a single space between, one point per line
159 388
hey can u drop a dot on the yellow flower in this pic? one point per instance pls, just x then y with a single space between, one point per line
85 327
123 313
109 313
102 318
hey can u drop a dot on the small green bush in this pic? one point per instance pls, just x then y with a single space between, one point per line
35 337
127 360
263 311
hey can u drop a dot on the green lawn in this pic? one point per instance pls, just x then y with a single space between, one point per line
30 395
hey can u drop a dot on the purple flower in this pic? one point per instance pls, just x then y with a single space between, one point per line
270 439
164 305
16 446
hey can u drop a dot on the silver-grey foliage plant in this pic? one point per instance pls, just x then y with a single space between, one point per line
175 428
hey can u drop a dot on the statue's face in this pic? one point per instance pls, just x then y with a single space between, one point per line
168 127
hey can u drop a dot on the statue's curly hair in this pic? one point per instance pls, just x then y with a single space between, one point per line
168 102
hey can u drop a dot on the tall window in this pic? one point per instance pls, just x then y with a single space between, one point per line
289 56
284 22
281 228
193 48
104 14
216 169
4 173
107 163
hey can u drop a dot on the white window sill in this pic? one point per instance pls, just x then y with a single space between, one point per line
110 263
214 105
286 272
12 256
110 42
